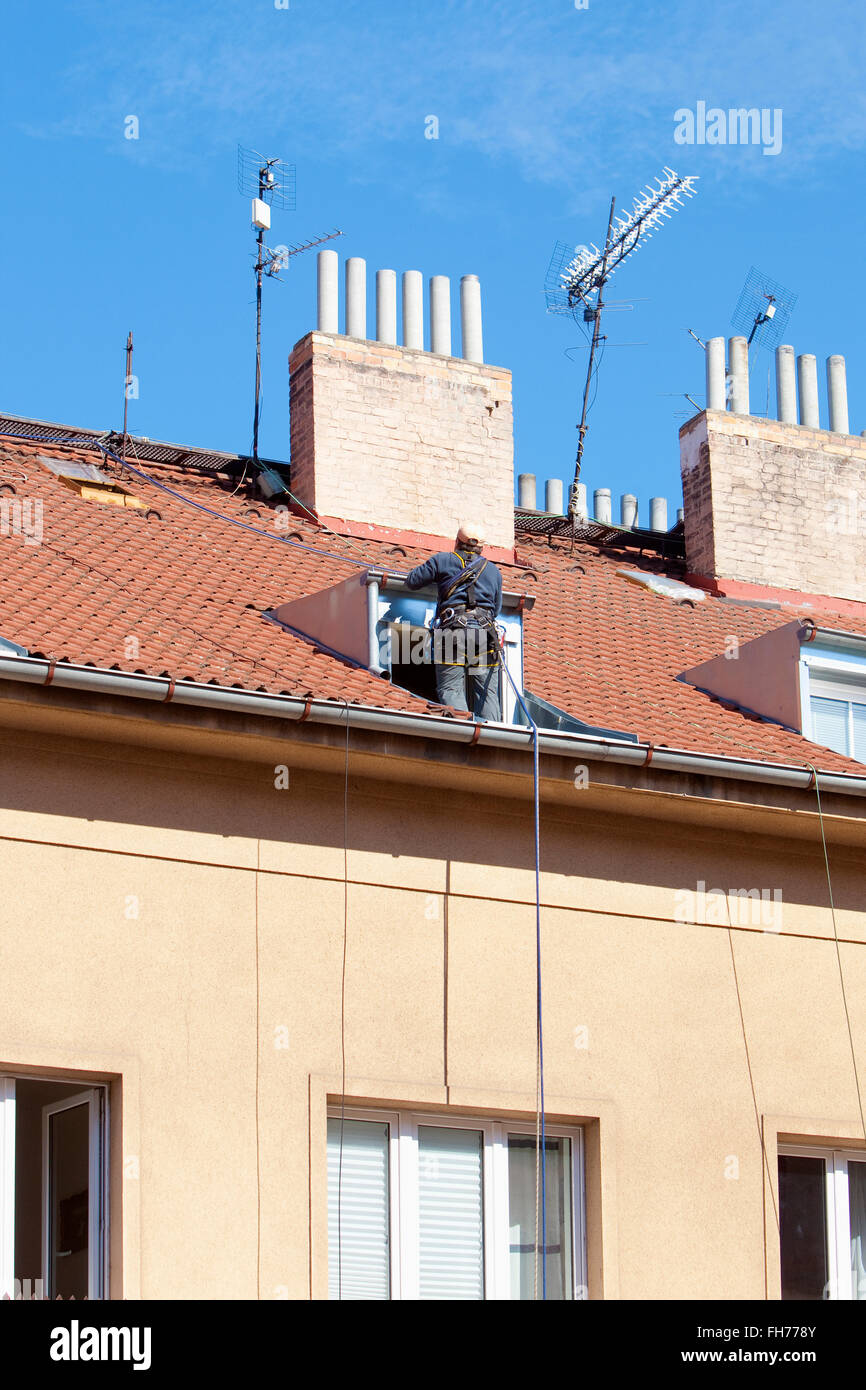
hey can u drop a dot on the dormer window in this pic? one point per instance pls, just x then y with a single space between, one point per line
807 678
374 621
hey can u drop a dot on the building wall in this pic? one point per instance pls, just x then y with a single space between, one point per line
775 505
401 439
176 922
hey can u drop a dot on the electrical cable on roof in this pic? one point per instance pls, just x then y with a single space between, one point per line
289 493
199 506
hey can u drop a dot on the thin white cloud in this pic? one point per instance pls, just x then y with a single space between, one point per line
563 96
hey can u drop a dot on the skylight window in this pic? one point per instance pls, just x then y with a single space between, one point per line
90 483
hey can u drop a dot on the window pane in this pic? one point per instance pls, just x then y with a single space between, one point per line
521 1217
803 1226
69 1202
358 1210
859 712
830 722
450 1213
857 1211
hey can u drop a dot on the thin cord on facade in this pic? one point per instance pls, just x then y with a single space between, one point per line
838 951
540 1136
343 1014
759 1126
258 1049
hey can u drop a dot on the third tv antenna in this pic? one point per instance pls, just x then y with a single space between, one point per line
271 184
576 278
763 310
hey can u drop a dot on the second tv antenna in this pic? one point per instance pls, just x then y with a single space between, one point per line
576 280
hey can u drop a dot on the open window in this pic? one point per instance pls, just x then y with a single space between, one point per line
375 621
405 650
53 1202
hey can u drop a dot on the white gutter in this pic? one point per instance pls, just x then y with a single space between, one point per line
164 690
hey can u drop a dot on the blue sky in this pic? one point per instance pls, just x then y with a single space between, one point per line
544 111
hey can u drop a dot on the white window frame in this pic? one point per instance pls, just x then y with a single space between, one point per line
838 1286
418 609
403 1128
7 1187
842 677
96 1096
96 1186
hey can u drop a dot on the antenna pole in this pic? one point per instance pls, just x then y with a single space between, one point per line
126 384
596 335
260 239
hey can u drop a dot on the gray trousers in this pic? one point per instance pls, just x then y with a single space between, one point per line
463 657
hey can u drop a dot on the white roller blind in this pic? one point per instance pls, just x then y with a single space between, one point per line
859 717
358 1210
450 1213
830 723
857 1219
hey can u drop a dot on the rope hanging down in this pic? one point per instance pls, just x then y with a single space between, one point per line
540 1136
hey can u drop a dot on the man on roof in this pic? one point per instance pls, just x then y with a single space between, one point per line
465 641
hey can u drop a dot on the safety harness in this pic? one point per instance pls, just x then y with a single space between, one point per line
462 584
458 606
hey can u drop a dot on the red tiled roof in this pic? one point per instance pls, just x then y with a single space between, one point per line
191 589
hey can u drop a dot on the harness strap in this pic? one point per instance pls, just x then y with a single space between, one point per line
467 577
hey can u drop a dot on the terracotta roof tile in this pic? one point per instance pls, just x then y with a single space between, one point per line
190 588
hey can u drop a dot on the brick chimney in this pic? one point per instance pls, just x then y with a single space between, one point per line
389 438
774 506
401 440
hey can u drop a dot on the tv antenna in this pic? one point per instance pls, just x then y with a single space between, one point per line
271 184
763 310
576 277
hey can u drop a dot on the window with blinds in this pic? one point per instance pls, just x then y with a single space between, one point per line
838 712
358 1209
425 1209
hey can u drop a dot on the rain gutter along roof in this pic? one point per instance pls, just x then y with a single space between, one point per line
40 671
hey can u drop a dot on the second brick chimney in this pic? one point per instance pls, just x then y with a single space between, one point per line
390 438
774 506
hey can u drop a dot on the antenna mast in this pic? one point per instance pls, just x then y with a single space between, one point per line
271 184
579 278
127 382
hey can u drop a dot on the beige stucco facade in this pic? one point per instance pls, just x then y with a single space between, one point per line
174 924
